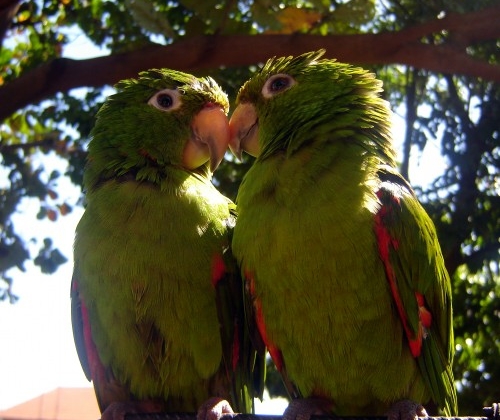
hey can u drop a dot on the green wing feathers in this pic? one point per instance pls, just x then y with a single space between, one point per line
420 285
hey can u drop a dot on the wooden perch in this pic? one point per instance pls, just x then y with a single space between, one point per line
490 413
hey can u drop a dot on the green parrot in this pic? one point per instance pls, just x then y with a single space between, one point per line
343 267
157 306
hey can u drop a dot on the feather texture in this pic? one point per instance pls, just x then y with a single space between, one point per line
348 281
144 292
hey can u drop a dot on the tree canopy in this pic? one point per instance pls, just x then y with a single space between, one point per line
439 62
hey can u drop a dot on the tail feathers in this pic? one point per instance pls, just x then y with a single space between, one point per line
442 386
245 369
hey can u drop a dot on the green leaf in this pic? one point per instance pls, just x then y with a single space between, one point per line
149 18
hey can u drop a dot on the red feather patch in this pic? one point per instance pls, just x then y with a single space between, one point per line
97 369
218 269
274 351
423 313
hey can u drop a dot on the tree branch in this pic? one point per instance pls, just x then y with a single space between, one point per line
8 9
205 52
468 163
411 117
48 142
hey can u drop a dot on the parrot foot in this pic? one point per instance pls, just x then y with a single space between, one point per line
118 410
304 408
406 410
213 409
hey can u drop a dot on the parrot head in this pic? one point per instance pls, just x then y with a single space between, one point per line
163 119
299 101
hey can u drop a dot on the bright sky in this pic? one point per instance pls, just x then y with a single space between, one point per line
37 352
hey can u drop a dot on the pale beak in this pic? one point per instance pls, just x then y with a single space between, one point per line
210 138
244 129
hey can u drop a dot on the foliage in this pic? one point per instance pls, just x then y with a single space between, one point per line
458 112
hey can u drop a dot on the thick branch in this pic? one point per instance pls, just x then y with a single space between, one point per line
205 52
8 9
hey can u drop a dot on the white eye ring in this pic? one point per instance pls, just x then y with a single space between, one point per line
276 84
166 100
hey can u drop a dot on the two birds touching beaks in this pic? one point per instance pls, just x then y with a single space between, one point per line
329 262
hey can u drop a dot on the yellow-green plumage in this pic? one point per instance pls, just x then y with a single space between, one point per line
307 241
149 248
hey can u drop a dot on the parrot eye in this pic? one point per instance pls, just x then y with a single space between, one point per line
166 100
277 84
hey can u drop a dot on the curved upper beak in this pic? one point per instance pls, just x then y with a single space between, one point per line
210 138
244 130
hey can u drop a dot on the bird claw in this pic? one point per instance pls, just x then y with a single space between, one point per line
305 408
406 410
118 410
214 409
